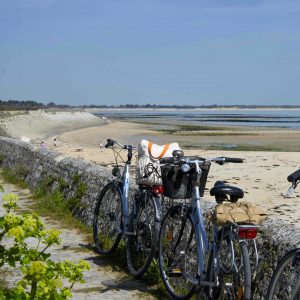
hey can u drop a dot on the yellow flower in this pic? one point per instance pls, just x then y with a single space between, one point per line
29 223
12 219
17 232
10 201
84 265
51 236
37 270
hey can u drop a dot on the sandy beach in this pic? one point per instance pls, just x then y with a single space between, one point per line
262 176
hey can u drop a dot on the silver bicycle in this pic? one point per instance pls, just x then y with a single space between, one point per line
285 282
214 260
113 219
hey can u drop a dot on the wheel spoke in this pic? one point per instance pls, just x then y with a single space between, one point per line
178 254
141 245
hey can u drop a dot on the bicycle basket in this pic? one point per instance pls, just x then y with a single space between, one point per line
178 185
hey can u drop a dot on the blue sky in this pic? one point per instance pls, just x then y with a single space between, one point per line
150 51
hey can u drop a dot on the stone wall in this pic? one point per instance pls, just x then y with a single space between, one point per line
275 238
42 164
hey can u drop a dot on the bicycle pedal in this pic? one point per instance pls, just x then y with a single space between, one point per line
170 235
240 293
175 273
228 284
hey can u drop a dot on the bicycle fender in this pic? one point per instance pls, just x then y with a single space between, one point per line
158 208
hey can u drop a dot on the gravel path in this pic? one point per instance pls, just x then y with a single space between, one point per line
102 282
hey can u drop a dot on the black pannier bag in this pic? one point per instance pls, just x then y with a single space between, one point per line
178 185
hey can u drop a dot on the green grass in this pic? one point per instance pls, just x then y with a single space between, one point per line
2 157
48 202
16 175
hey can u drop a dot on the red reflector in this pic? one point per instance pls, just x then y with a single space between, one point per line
247 233
157 189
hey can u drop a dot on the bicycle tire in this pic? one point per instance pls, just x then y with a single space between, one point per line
285 282
141 245
108 210
178 259
234 279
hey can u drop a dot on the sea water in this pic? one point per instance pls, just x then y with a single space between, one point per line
284 118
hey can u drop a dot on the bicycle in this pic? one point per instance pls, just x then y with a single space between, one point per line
112 219
285 282
217 266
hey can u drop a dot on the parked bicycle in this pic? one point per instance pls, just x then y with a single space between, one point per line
216 260
285 282
112 219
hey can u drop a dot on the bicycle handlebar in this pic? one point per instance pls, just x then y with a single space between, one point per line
111 142
294 176
167 160
234 160
219 160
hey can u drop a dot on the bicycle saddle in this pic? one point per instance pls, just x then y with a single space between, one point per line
221 191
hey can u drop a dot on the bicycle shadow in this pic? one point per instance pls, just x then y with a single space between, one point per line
117 263
125 283
115 260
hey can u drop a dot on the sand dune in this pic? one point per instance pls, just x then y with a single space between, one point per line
39 125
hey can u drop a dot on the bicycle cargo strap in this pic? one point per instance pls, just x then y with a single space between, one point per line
165 149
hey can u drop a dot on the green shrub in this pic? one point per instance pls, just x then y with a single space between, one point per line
42 278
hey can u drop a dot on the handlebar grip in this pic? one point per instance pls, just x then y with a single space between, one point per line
110 143
167 160
234 160
294 176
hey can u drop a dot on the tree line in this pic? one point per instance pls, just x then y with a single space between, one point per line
33 105
28 105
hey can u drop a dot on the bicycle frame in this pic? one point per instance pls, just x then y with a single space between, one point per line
200 232
204 247
123 187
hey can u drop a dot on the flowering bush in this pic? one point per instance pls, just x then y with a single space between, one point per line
42 278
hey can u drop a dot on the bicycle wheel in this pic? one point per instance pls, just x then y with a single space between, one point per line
141 244
107 223
285 282
178 259
232 268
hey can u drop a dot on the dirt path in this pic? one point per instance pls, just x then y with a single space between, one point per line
101 281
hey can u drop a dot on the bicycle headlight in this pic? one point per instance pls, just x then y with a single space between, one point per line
185 168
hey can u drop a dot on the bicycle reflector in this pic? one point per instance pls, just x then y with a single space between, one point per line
247 233
157 189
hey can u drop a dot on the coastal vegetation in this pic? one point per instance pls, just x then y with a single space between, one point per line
41 277
49 195
51 202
